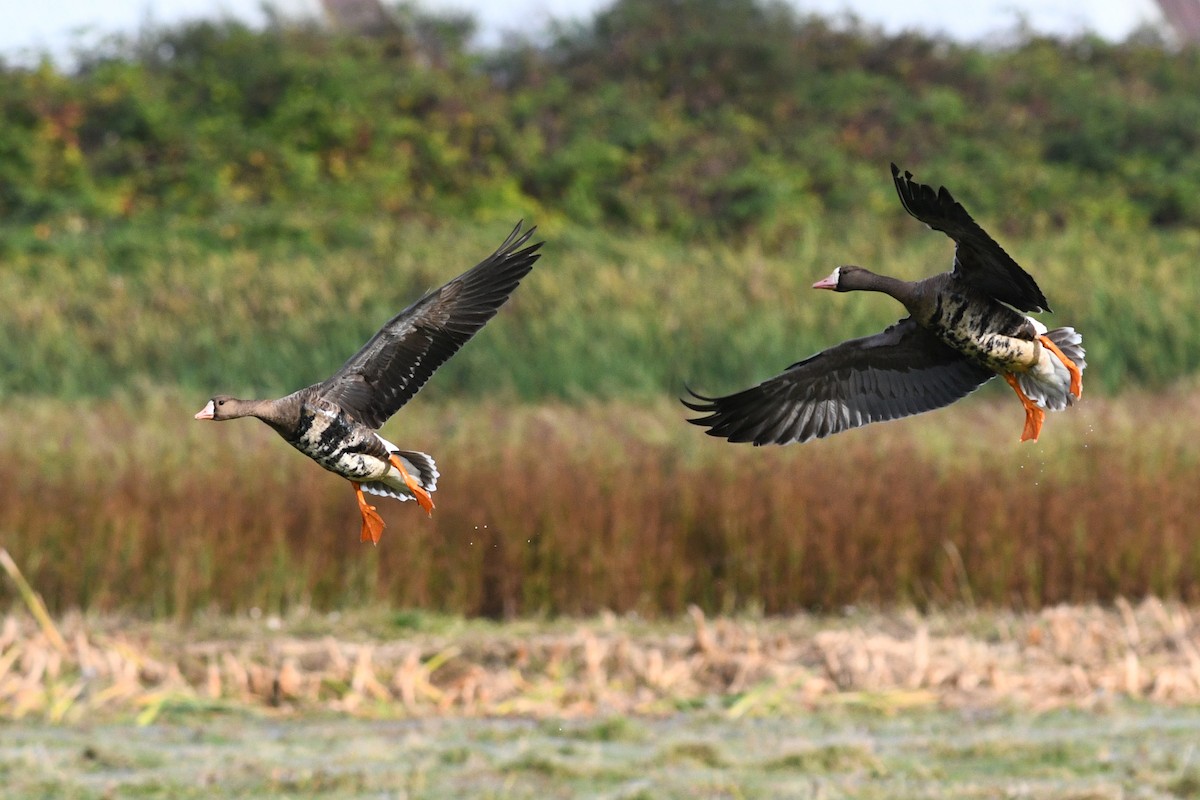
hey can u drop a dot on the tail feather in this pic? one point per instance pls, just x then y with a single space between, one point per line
1048 383
420 466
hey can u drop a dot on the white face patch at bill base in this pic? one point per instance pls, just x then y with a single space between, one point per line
831 281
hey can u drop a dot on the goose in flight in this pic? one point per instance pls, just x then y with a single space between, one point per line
963 328
334 422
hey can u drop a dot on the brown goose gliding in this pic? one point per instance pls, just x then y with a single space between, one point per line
334 422
964 327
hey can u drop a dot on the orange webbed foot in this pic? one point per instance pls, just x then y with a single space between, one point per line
1034 416
1076 373
424 500
372 523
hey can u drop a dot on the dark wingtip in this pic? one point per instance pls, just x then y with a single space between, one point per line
904 188
532 229
704 406
512 246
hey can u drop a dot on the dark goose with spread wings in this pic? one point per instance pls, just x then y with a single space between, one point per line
334 422
964 327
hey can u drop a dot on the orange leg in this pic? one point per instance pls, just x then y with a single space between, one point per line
1076 374
1034 416
423 498
372 524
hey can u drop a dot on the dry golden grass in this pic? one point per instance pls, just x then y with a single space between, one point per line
129 504
1085 657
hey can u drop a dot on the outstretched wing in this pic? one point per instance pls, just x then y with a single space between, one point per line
400 358
902 371
978 260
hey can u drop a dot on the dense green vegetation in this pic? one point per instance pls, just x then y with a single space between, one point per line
211 205
601 316
649 117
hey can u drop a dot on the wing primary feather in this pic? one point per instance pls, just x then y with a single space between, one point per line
979 260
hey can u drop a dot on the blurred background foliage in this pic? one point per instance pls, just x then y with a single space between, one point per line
693 163
699 118
212 207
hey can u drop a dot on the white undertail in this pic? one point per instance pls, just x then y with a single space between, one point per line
1048 383
420 466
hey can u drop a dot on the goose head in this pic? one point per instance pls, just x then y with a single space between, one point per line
223 407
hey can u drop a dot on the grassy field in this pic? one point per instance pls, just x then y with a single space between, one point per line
1126 751
602 316
1071 702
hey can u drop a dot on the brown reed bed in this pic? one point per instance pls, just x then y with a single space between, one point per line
128 504
1080 657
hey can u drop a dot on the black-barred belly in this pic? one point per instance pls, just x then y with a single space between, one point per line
341 445
983 331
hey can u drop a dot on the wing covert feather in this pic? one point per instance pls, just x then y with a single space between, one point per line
397 361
